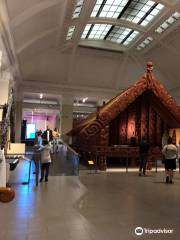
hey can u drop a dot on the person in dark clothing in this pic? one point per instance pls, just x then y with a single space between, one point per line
143 155
47 135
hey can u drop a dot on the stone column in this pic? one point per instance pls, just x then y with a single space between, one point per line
18 117
66 117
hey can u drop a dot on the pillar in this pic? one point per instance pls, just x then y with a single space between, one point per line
4 92
66 117
18 116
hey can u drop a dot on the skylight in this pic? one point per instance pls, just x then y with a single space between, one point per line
122 35
78 8
137 11
70 32
109 8
86 30
130 38
99 31
166 24
117 34
141 11
146 42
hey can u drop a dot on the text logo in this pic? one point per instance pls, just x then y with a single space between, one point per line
139 231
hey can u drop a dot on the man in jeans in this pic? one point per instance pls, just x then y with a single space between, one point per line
143 154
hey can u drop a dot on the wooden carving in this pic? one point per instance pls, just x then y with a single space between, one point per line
131 126
94 123
158 130
144 119
123 128
138 121
152 125
6 194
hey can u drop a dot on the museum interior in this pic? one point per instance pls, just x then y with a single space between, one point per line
90 99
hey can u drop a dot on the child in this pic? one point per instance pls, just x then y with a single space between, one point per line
45 160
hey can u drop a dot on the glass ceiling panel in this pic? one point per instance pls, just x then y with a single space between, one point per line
166 24
141 11
86 30
108 8
136 11
146 42
70 32
133 35
117 34
78 8
99 31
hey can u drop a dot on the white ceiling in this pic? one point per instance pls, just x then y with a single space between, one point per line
44 61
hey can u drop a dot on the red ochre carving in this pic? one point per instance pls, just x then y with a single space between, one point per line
95 122
6 194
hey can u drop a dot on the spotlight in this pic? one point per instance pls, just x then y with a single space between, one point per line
85 99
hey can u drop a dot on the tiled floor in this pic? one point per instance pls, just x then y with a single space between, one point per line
105 206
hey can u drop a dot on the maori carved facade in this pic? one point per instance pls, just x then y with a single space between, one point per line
139 120
144 109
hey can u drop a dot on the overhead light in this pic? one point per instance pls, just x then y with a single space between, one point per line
85 99
41 95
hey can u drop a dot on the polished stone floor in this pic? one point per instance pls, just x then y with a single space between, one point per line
105 206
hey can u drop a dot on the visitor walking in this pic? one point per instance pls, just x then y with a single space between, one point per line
45 160
143 154
170 154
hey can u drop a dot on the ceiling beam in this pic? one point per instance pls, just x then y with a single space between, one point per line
101 44
61 89
118 22
82 21
8 42
39 37
31 12
167 3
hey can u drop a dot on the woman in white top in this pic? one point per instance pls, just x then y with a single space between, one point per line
178 148
170 154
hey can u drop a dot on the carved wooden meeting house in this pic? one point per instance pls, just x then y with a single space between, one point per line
145 109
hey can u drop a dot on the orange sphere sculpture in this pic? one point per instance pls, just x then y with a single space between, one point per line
6 194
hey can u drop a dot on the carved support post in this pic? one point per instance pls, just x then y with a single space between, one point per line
123 128
102 163
131 126
104 136
138 121
158 130
152 121
144 119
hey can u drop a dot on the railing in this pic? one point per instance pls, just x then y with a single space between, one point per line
67 159
128 155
